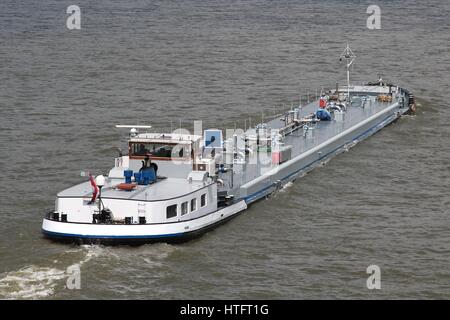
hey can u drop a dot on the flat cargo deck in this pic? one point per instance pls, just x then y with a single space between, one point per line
256 169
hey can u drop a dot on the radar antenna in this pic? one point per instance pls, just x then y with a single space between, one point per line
133 132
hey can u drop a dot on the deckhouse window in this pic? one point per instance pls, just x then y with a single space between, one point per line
171 211
184 208
203 200
194 204
159 150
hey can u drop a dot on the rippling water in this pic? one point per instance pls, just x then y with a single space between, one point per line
385 202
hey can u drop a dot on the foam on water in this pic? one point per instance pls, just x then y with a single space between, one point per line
34 282
286 186
30 282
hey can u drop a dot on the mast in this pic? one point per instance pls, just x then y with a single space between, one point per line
349 56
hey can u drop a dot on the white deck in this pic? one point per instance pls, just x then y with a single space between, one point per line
164 189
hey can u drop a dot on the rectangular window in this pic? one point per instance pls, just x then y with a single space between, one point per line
171 211
159 150
193 204
203 200
184 208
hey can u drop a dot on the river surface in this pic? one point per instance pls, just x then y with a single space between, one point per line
385 202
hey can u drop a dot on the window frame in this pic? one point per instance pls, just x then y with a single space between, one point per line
193 208
176 211
201 199
187 208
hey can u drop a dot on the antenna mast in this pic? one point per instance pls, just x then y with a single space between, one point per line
349 56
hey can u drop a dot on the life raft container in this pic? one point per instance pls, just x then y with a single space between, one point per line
126 186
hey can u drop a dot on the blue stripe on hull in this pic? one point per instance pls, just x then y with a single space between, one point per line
83 236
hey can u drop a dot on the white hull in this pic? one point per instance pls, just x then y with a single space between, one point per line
120 233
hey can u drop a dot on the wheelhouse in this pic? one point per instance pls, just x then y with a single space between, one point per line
164 147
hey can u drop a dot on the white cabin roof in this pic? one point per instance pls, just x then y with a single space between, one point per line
166 138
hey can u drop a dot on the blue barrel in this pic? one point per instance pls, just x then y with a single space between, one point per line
137 177
148 176
128 174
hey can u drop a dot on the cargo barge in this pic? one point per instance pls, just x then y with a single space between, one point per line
171 187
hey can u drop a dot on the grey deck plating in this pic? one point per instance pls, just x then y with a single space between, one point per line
252 181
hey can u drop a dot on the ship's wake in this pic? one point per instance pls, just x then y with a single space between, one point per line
37 282
31 282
